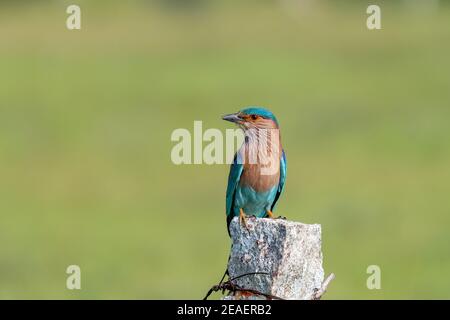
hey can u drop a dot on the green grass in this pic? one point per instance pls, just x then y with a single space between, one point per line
86 119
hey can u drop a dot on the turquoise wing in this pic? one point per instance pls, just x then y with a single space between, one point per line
233 180
283 173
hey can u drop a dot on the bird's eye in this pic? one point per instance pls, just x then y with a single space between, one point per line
254 117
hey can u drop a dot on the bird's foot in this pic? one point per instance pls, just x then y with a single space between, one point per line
270 214
243 219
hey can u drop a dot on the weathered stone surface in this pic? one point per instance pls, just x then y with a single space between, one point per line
289 251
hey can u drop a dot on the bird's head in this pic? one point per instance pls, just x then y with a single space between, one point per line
253 118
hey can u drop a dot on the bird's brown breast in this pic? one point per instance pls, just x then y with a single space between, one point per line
253 176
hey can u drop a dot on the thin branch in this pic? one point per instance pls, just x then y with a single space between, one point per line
320 292
256 292
233 288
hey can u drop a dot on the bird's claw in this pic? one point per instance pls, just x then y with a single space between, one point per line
243 219
244 223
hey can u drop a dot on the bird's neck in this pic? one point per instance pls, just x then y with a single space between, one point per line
261 146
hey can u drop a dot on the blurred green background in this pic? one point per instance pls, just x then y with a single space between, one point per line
86 118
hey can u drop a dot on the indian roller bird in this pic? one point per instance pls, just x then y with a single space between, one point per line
258 172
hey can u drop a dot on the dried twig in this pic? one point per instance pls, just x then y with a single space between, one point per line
230 286
320 292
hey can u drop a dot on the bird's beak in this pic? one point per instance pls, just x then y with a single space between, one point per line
234 117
